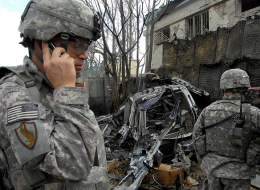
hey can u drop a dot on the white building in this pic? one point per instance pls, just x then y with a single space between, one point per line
186 18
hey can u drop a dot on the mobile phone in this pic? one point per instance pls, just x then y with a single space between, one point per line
50 44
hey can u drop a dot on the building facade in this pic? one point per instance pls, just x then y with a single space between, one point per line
187 18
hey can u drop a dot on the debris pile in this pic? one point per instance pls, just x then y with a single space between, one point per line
151 132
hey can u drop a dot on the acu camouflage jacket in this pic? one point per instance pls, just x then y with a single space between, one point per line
53 144
221 165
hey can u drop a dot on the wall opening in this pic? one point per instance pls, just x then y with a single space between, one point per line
162 36
249 4
198 24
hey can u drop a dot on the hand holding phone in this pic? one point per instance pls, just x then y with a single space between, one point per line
50 44
58 65
257 89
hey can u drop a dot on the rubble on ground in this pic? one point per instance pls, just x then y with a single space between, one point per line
150 136
151 128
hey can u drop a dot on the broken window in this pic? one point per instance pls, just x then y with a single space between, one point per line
249 4
162 36
198 24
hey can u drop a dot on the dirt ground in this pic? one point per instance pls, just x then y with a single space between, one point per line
118 168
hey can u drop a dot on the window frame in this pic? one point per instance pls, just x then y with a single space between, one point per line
162 36
197 24
240 7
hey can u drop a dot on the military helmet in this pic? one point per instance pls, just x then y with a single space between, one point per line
44 19
234 78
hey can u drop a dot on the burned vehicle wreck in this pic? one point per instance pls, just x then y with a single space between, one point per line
150 128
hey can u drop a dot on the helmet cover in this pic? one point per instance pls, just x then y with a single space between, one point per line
44 19
234 78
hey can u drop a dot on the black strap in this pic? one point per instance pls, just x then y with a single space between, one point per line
29 83
221 121
64 40
31 86
96 161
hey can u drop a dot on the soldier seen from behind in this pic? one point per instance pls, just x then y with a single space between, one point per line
49 137
226 136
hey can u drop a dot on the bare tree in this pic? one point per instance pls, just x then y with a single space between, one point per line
93 67
120 36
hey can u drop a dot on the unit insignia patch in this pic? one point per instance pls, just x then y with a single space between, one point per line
27 134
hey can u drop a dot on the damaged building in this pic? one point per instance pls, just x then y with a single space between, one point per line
195 41
198 40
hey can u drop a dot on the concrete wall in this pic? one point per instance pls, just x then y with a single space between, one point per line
100 101
228 13
157 60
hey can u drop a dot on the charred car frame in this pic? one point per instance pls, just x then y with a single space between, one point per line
150 126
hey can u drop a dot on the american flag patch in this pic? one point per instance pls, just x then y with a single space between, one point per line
22 112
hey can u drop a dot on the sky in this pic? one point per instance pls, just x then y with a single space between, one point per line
11 51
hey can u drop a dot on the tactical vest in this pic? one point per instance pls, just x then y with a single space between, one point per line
33 178
218 137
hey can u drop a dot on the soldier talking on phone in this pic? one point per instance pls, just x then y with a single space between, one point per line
49 137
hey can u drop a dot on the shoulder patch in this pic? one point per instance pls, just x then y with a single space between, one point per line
27 134
22 112
25 144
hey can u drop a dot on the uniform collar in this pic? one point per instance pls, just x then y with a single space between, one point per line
35 74
233 97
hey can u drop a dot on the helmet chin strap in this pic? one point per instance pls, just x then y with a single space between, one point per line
27 42
64 40
38 57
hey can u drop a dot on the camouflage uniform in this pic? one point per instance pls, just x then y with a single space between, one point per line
67 133
49 141
227 165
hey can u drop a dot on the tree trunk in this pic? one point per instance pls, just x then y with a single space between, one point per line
124 59
150 52
137 49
